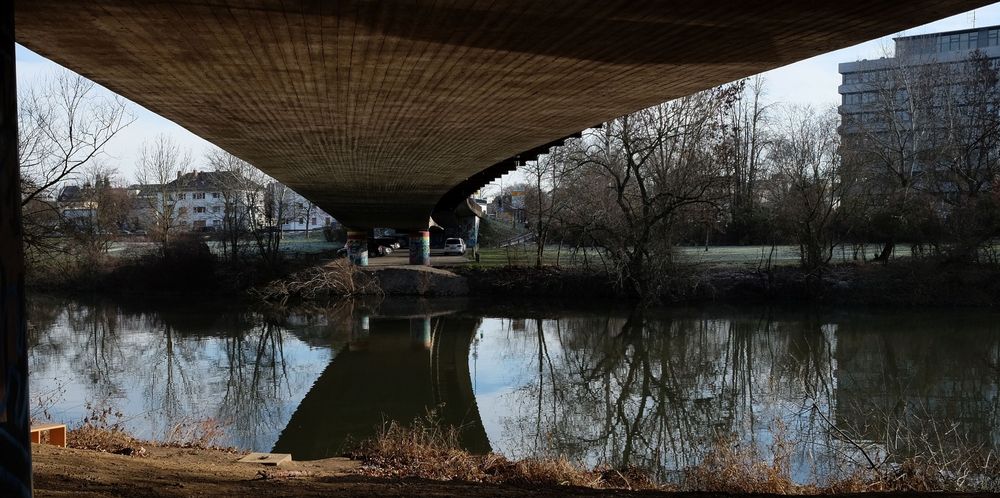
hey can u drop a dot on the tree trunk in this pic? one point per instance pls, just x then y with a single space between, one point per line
886 253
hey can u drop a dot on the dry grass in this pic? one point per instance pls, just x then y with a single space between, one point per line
733 467
921 457
429 450
924 454
103 429
336 279
197 433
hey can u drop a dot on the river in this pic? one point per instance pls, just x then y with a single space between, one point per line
598 384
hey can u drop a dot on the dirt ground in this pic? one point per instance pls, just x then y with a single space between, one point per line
174 472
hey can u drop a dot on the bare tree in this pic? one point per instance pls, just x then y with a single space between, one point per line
743 153
638 174
63 126
306 208
806 163
891 133
273 210
965 177
108 206
546 196
256 207
241 192
161 164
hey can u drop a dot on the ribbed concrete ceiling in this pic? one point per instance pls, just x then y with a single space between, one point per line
375 109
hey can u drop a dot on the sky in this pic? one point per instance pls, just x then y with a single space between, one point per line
812 81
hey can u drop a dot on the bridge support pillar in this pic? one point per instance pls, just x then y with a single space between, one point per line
15 449
420 247
357 247
420 332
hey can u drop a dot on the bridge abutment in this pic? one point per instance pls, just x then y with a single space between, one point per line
420 247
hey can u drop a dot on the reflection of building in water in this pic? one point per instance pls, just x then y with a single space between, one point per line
393 370
911 372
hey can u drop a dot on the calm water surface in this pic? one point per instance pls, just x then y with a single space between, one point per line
596 384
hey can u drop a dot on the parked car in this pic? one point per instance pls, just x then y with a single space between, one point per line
376 248
454 246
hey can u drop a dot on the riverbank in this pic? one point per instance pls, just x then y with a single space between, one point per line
184 472
902 282
176 472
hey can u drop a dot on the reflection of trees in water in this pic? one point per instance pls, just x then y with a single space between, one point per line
656 393
94 350
256 372
171 382
174 356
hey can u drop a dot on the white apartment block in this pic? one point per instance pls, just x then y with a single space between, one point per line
299 214
198 200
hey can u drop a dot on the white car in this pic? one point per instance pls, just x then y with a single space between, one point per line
454 246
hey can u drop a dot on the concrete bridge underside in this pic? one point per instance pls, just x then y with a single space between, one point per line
381 111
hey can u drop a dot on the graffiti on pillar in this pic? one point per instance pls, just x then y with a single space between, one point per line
357 249
420 248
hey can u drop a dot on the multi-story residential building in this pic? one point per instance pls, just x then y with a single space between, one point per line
76 204
200 201
299 214
83 205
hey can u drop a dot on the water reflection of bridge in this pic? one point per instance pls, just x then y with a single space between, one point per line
394 368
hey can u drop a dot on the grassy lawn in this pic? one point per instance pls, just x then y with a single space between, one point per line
525 255
715 256
314 244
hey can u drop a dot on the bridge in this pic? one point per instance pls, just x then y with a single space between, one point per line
384 112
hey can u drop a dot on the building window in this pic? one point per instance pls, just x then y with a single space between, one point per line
313 221
302 220
853 78
971 40
215 195
216 209
199 209
181 196
182 211
955 42
198 195
216 222
993 37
